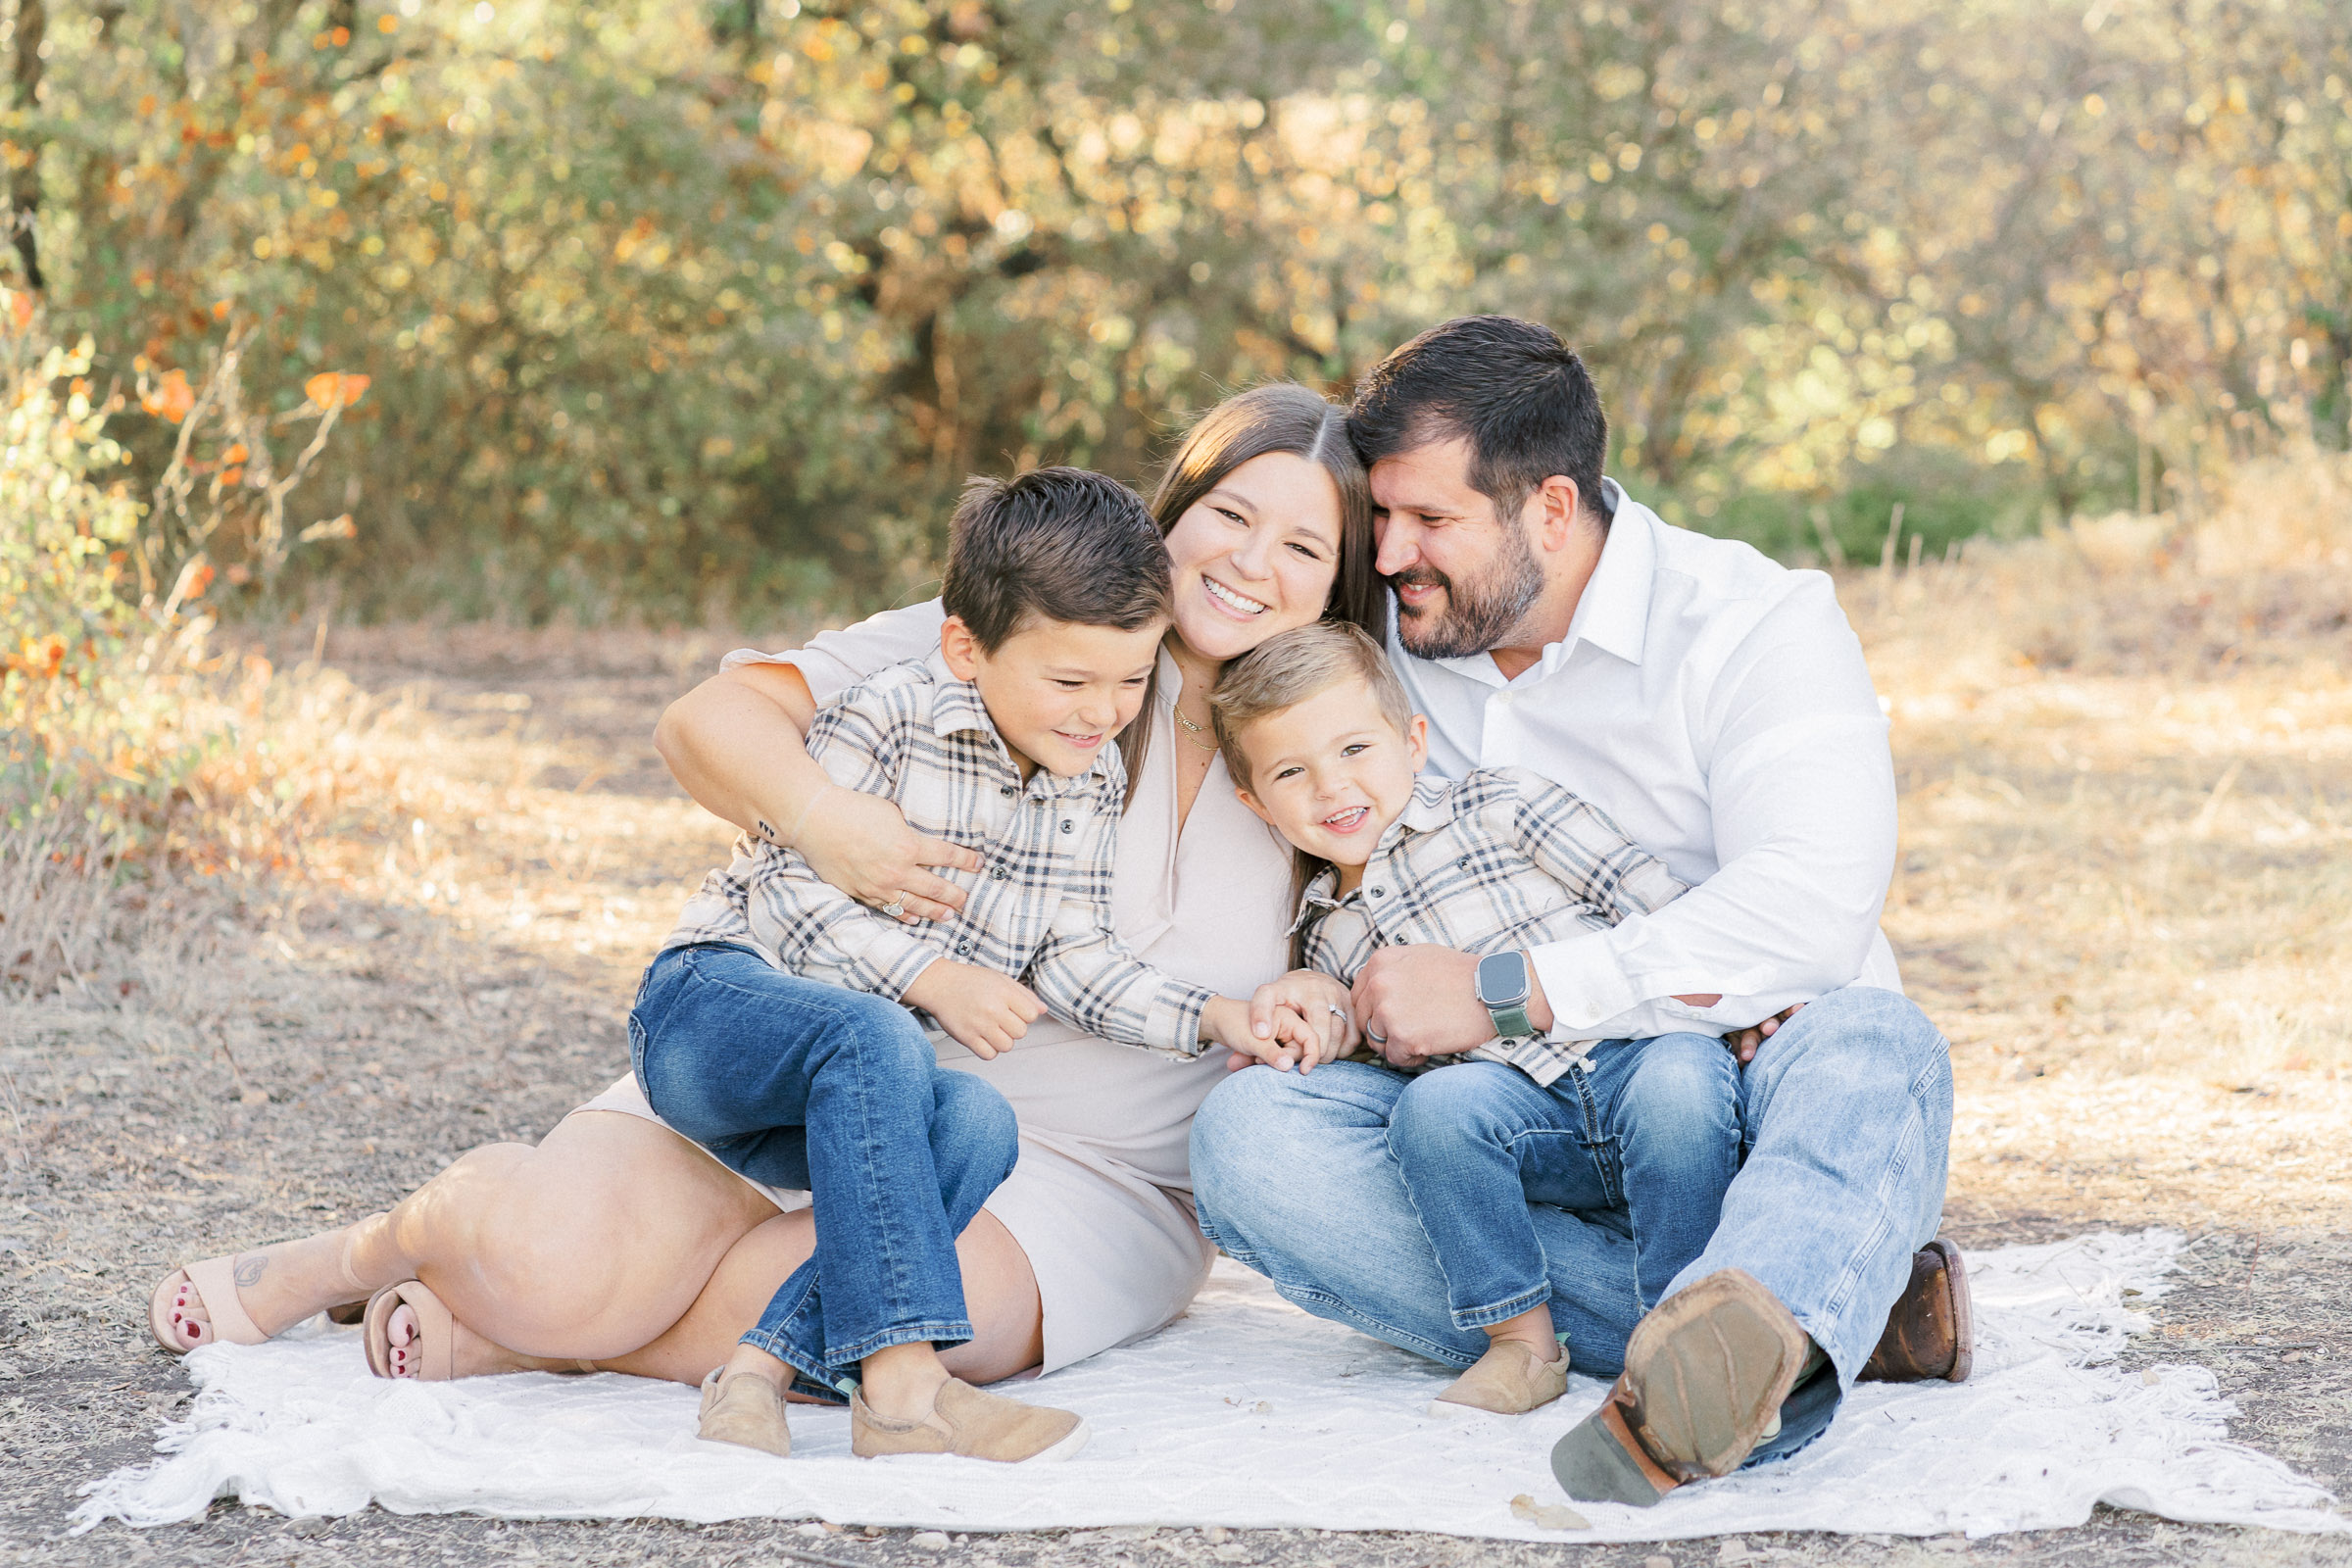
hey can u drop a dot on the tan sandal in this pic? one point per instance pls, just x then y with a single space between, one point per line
215 1282
436 1331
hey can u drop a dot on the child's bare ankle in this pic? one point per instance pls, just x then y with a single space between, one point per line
902 1383
750 1359
1531 1328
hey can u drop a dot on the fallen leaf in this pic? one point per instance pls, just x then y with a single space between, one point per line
1547 1515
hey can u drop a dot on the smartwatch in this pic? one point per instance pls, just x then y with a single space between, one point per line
1504 988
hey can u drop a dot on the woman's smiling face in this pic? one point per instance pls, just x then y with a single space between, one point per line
1256 555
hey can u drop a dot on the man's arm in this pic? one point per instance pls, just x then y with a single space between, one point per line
1801 793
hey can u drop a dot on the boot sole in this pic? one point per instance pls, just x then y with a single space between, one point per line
1708 1369
1964 1322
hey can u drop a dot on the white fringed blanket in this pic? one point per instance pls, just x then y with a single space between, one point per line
1248 1412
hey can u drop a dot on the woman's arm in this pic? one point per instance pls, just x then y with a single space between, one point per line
736 744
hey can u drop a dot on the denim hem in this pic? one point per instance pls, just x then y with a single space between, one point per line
942 1333
1486 1318
809 1370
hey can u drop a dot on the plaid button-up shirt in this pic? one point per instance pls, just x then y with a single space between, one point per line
1038 909
1496 860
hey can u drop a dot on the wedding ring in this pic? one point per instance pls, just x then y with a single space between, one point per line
896 908
1375 1036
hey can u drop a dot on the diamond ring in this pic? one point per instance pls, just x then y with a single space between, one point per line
896 908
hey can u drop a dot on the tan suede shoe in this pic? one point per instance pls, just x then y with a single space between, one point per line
1510 1379
976 1424
746 1410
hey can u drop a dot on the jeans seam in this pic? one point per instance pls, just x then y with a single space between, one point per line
776 1345
943 1332
1389 1332
1483 1317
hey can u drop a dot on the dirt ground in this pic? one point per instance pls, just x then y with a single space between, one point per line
453 961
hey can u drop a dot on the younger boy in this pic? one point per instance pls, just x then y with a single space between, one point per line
774 1028
1323 744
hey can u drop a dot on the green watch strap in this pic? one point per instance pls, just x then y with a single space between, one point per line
1511 1023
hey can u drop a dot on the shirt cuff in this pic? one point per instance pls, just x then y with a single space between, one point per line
1175 1017
1583 982
880 955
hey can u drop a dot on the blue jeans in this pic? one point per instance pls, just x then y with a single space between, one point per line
1845 1119
799 1084
1650 1127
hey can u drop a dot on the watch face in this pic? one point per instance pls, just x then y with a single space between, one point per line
1502 980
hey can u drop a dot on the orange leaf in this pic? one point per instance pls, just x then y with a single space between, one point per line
170 398
204 580
235 453
19 310
332 389
220 310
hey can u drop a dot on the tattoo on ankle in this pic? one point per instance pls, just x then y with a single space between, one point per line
249 1269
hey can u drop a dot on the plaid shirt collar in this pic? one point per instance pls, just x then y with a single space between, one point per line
1429 809
957 709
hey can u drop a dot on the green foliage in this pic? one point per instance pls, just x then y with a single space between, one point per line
670 309
75 731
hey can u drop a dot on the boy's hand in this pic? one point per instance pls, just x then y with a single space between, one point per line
1292 1040
862 846
1317 1001
1743 1042
982 1011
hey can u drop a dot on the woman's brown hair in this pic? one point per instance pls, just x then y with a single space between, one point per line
1279 417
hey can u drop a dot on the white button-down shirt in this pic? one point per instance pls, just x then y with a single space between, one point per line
1716 703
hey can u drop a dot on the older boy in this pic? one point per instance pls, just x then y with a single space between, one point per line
771 1030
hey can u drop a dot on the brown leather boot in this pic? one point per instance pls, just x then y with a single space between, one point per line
1931 1331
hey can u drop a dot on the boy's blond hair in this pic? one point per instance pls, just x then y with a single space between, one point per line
1286 670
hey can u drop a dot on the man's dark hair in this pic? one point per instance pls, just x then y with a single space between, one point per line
1053 544
1513 388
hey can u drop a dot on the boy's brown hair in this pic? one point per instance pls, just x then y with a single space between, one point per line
1287 670
1053 544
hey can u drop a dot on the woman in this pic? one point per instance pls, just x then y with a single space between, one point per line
616 1245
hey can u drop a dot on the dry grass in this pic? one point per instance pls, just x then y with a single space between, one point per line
2126 755
2122 893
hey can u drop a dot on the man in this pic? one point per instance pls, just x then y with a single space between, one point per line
1718 706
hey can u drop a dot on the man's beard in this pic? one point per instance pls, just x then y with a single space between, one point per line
1478 616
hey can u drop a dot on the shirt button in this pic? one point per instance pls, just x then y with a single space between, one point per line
1068 826
998 871
1007 790
1380 893
963 948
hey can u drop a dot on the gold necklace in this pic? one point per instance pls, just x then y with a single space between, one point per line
1195 731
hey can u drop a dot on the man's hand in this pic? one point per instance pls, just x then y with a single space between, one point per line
861 845
984 1012
1743 1042
1420 1002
